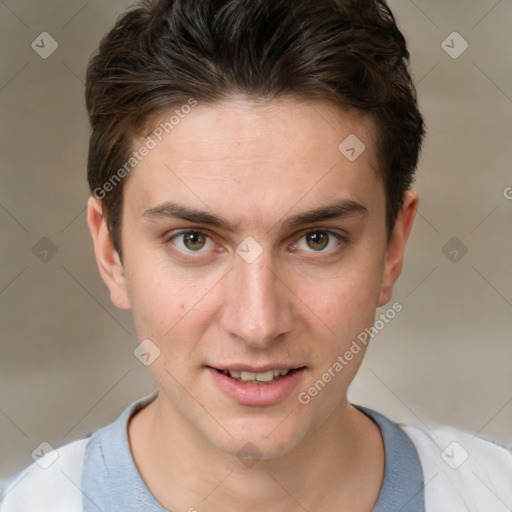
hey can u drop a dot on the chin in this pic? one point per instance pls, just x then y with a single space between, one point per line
250 450
263 441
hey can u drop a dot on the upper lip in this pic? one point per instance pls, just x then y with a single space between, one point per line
240 367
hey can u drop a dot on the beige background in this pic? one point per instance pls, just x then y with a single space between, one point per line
67 364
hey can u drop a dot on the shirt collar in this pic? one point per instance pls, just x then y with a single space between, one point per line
403 488
111 480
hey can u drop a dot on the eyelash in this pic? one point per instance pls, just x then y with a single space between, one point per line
342 240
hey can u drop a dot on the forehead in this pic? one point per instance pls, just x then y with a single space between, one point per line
258 157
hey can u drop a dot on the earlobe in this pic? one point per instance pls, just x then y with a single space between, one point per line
109 263
396 247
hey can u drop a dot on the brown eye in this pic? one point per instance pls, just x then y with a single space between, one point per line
194 241
191 241
322 241
317 240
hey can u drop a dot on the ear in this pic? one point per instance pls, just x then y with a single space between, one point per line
109 263
396 246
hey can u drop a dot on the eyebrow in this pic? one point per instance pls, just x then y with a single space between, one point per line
334 211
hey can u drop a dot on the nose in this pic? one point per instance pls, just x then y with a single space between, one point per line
257 307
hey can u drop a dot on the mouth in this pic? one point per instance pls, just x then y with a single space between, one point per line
257 386
259 378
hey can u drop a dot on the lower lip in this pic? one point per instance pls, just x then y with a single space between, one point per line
256 394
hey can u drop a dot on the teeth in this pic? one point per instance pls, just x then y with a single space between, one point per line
260 377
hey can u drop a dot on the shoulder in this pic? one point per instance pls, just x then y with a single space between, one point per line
462 471
54 482
56 473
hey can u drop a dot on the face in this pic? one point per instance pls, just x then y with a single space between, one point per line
251 242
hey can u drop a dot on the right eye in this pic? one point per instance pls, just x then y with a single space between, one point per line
191 241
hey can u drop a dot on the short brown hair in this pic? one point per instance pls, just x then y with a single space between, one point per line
162 53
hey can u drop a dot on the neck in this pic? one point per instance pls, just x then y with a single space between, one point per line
341 462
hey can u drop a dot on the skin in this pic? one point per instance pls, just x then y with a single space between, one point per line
298 302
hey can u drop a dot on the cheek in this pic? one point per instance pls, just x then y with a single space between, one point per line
173 308
159 298
153 282
163 312
344 299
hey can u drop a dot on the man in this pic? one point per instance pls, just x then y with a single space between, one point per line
250 167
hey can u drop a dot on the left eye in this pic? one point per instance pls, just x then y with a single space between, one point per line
318 241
